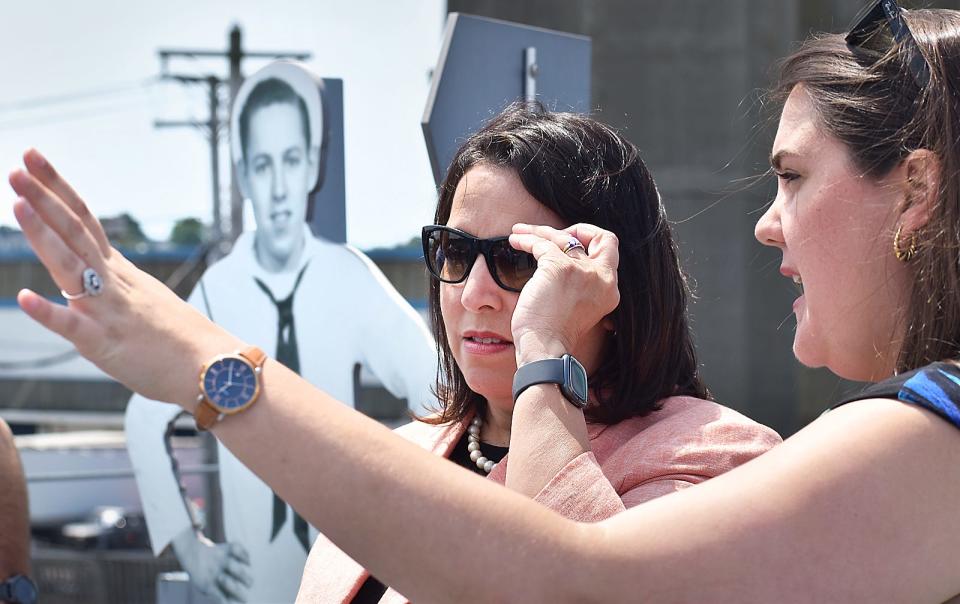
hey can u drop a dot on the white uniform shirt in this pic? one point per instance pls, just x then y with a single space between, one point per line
345 313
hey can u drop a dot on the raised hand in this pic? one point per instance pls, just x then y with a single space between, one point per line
136 329
569 293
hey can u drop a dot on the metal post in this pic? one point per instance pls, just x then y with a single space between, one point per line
214 125
530 72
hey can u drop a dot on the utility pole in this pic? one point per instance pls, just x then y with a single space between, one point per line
214 127
236 78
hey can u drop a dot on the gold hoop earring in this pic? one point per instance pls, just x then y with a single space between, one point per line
904 255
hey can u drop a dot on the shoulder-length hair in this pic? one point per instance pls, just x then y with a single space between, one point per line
585 172
871 101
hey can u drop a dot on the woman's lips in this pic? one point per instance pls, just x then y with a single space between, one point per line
794 276
485 343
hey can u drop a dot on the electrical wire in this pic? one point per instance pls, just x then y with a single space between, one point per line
20 123
59 99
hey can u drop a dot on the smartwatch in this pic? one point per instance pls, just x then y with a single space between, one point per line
229 383
18 589
566 372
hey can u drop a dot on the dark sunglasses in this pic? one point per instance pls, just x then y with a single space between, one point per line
881 27
450 254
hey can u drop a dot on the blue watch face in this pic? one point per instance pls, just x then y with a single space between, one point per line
230 384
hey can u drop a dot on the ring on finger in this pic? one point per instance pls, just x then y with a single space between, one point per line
573 244
92 286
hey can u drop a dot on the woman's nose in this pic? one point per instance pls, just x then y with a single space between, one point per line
768 230
480 291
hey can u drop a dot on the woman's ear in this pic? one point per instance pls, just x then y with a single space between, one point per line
922 188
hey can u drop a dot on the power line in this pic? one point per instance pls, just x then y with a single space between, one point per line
20 123
71 97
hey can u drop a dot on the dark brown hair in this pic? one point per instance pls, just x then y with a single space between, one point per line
870 101
585 172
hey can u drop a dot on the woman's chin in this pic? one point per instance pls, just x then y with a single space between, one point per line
851 367
805 351
492 389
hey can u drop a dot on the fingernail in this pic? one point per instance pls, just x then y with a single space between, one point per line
20 176
38 158
26 301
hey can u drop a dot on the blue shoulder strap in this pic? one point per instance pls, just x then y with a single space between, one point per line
935 387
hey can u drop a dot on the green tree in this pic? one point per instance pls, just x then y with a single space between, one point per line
123 230
187 231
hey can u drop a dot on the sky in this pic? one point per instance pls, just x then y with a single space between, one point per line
80 83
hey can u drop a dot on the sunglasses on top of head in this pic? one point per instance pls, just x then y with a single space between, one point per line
450 254
882 26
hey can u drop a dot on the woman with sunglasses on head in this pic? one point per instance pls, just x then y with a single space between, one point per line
857 507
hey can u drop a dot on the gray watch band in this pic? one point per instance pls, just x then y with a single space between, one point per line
544 371
566 372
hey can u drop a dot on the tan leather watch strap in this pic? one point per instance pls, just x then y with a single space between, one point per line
254 355
205 416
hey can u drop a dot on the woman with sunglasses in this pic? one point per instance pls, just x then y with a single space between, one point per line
645 427
857 507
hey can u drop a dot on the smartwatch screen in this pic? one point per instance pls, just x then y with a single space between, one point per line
576 378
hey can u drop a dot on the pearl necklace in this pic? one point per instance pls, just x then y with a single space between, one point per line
473 446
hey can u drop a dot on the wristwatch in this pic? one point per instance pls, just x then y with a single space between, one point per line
18 589
229 383
567 372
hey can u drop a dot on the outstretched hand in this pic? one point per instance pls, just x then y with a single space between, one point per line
569 294
136 330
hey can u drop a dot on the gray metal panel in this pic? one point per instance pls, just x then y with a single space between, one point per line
327 207
481 69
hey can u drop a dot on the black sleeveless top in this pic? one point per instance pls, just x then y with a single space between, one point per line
935 387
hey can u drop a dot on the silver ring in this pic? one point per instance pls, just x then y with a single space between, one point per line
573 244
92 286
